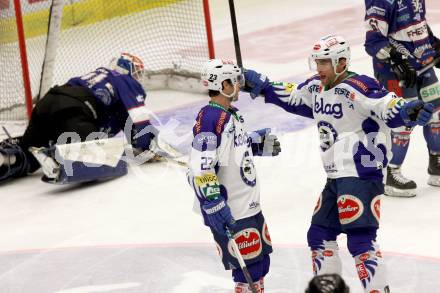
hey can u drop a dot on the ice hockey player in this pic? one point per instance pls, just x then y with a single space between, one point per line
353 114
401 44
222 173
98 104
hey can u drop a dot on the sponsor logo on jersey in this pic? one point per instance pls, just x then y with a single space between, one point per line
205 179
211 191
220 122
349 96
376 10
364 256
403 18
350 208
266 235
362 271
318 205
327 253
359 83
375 207
401 139
417 31
314 88
248 242
330 168
198 126
254 205
334 110
430 92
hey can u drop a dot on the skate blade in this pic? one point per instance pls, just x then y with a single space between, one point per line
434 180
395 192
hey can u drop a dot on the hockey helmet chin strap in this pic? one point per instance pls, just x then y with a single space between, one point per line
337 75
232 96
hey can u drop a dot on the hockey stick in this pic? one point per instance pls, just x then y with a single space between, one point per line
423 70
235 33
240 259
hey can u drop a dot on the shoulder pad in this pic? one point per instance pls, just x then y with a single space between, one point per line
211 119
369 87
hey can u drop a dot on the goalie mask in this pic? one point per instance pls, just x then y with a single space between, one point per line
333 48
130 64
216 71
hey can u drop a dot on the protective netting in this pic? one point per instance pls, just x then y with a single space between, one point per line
168 35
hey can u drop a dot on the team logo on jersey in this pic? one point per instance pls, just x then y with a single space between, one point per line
327 135
247 170
350 208
334 110
104 96
248 242
266 235
242 139
318 205
375 207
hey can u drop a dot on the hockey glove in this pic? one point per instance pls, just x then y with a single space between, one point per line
219 215
255 83
416 113
264 143
142 135
403 69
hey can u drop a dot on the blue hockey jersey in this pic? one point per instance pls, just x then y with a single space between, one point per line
402 24
121 98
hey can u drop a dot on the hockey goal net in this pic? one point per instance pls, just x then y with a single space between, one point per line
172 37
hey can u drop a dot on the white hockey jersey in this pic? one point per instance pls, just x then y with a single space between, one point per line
221 161
353 120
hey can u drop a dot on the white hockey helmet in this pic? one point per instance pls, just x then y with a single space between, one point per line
330 47
215 71
130 64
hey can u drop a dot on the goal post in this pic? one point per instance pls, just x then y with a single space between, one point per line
172 37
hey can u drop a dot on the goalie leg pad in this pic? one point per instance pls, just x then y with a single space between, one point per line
14 162
82 161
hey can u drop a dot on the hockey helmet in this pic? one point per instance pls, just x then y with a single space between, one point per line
330 47
216 71
130 64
